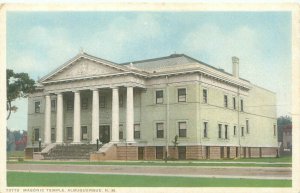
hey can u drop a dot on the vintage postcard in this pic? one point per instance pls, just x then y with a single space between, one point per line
150 97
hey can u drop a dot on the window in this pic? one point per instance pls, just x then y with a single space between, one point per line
160 130
69 133
53 105
159 152
36 134
84 134
233 103
70 104
53 134
121 131
182 95
274 129
84 103
242 105
225 101
182 129
220 131
204 95
137 131
159 97
226 131
242 131
247 126
205 129
102 102
37 106
121 100
234 130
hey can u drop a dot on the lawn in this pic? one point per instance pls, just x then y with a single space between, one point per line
18 179
12 154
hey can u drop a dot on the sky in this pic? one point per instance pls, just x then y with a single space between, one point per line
38 42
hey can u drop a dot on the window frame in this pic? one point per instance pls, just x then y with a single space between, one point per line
37 108
234 130
205 129
121 132
81 132
242 131
219 131
179 129
102 104
53 105
179 97
247 126
274 130
84 103
162 131
242 105
234 103
225 100
156 97
37 134
205 96
226 132
137 133
70 105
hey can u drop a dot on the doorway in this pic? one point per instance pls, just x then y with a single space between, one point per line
104 133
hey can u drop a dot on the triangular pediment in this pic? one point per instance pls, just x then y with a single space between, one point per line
82 67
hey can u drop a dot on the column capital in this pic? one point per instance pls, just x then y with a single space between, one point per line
94 89
76 91
114 87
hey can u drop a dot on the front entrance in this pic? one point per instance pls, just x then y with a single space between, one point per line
104 133
181 152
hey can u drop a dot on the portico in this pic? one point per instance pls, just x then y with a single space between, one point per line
95 115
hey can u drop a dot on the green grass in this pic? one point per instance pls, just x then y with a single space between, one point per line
16 179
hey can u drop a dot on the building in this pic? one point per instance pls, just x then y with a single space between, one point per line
175 105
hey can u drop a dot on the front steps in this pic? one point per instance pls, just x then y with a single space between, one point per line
70 152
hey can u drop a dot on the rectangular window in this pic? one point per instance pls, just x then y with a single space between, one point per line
225 101
37 106
137 131
69 133
234 130
160 130
36 134
274 130
120 100
53 134
121 131
182 129
102 101
84 133
234 103
220 131
205 129
159 97
182 95
247 126
53 105
204 95
84 103
242 105
226 131
242 131
70 104
159 152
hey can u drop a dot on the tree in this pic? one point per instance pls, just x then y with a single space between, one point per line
17 85
282 122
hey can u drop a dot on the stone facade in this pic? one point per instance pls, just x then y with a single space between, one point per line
142 106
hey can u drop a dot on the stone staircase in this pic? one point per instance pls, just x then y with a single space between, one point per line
70 152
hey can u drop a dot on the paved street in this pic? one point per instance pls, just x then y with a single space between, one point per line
186 171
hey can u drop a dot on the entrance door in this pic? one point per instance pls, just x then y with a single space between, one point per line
141 153
69 133
182 152
104 133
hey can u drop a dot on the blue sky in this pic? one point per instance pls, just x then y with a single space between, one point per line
38 42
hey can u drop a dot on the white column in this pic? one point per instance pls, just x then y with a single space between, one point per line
115 115
59 118
95 116
47 128
76 130
129 115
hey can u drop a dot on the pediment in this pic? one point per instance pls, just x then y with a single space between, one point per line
84 67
